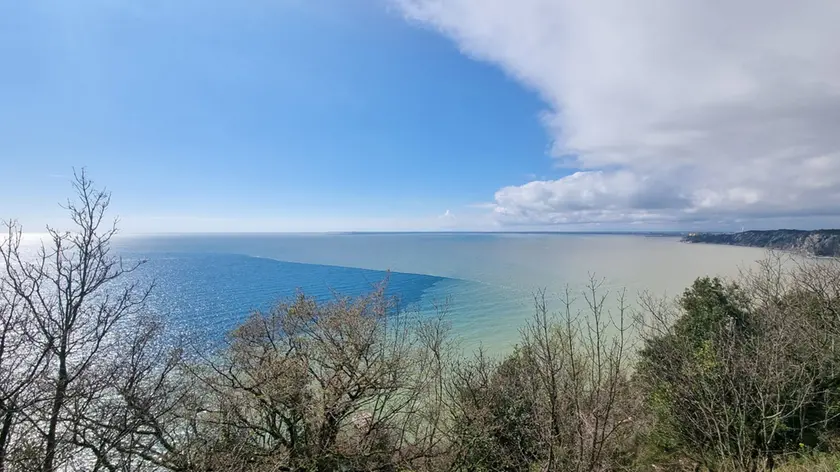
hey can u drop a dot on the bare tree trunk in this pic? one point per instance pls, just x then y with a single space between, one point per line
5 433
55 412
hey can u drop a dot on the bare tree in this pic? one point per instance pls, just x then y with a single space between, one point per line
561 401
353 384
70 290
125 412
582 361
21 361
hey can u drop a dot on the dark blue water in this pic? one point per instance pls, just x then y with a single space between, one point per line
214 292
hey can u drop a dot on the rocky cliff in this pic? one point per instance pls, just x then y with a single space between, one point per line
822 242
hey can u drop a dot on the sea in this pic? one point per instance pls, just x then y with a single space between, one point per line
484 283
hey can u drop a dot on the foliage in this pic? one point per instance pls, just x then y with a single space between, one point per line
740 376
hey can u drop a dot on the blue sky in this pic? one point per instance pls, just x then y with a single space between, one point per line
293 115
297 112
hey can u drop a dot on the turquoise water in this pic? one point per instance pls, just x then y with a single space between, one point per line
486 281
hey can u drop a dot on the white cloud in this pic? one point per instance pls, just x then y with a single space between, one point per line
447 220
673 111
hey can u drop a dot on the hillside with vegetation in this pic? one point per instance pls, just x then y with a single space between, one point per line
732 375
822 242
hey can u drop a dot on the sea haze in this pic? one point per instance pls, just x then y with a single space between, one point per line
487 280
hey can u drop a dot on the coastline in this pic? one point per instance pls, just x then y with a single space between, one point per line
815 243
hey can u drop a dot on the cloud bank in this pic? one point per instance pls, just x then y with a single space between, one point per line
671 112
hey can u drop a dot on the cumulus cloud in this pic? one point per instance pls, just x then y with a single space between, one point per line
682 110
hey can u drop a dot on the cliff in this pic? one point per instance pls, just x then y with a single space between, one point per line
821 242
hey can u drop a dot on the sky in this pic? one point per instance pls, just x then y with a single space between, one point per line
424 115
